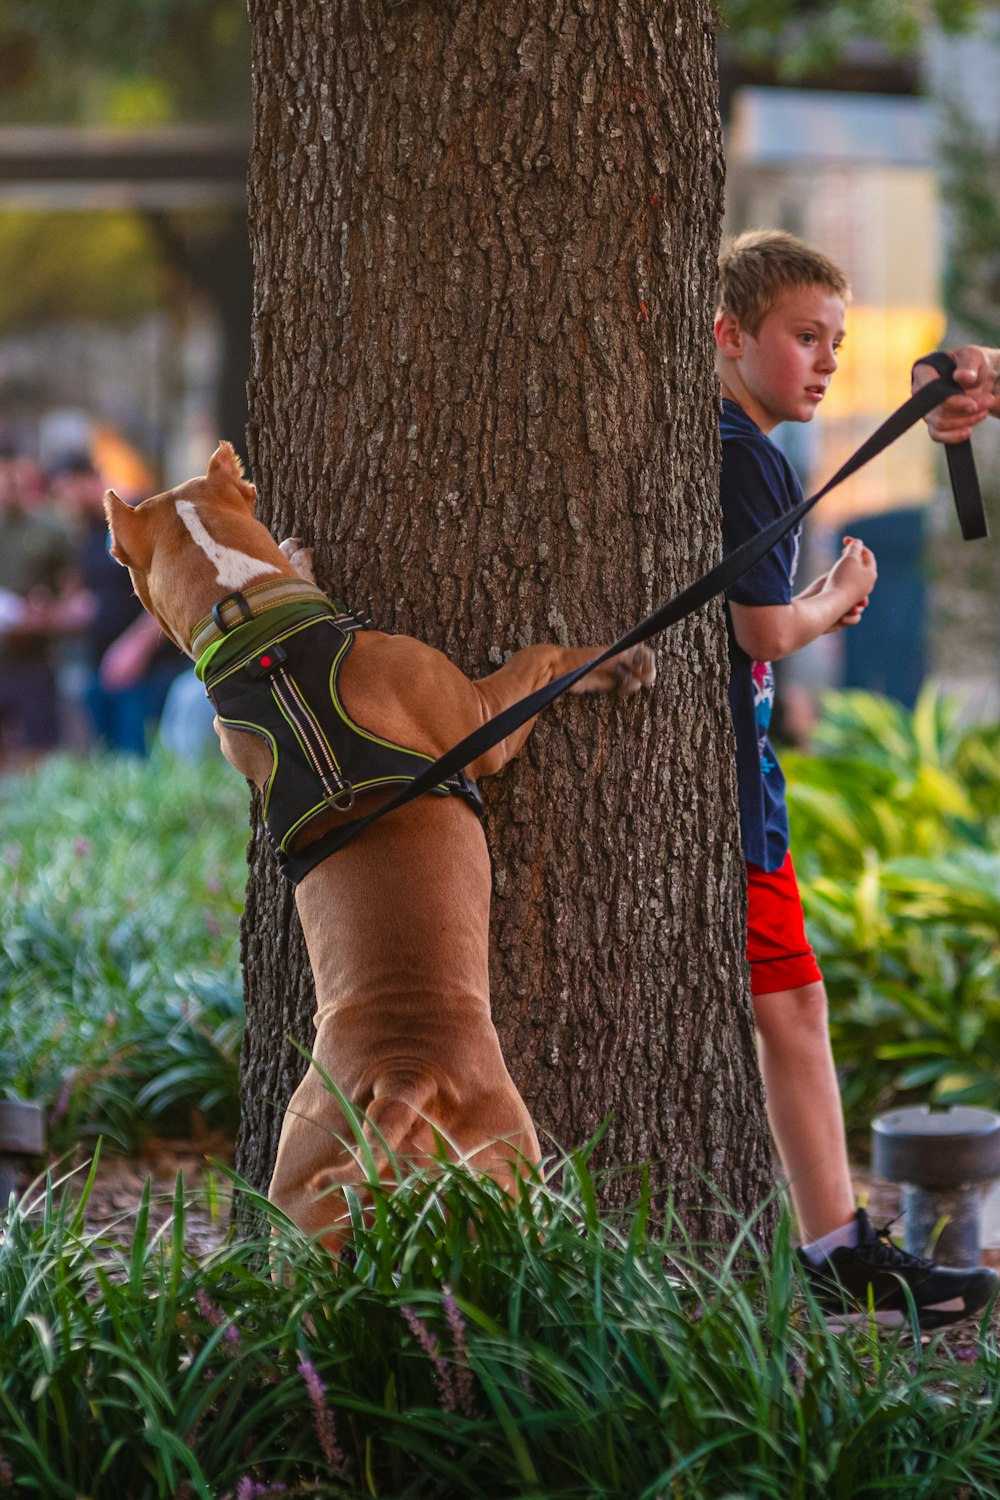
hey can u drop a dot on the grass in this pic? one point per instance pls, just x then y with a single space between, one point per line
122 885
465 1347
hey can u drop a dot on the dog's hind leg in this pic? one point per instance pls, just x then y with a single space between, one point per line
398 1133
398 1127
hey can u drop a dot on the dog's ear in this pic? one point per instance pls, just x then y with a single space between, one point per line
129 530
226 460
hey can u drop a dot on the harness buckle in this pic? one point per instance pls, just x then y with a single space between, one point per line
241 604
342 800
267 663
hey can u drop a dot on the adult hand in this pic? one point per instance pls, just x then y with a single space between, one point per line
978 372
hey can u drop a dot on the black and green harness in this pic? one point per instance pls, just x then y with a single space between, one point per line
270 658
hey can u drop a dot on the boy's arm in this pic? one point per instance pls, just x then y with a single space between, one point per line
770 631
978 370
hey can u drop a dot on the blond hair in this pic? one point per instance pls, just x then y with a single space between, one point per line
756 267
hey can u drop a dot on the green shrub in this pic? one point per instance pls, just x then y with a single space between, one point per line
122 884
464 1348
896 827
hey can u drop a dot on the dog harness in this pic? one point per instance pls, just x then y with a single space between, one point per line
270 659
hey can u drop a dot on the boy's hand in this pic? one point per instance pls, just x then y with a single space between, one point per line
854 573
978 370
852 617
767 632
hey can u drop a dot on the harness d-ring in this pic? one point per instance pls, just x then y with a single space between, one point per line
241 603
343 800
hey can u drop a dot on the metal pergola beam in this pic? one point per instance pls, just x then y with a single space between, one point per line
164 167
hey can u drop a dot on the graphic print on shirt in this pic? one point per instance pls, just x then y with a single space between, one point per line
762 676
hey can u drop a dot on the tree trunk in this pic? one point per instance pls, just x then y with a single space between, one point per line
484 240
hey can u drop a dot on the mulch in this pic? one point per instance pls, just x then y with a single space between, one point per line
113 1201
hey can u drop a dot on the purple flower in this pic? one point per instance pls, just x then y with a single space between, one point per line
443 1377
81 848
249 1489
464 1380
62 1103
6 1473
216 1318
322 1415
208 1309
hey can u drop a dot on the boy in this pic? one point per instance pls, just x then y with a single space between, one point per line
778 328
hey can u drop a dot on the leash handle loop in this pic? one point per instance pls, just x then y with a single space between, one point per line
717 580
961 463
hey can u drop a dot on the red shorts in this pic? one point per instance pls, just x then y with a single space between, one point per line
778 950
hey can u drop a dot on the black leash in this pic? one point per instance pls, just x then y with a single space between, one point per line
961 464
968 503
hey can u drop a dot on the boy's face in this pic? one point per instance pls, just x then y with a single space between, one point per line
781 375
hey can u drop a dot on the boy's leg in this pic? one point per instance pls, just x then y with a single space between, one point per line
803 1106
796 1061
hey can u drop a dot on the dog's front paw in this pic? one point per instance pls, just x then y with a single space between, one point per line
638 669
300 557
625 673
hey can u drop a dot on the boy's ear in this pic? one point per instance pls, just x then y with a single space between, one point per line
129 530
729 335
225 460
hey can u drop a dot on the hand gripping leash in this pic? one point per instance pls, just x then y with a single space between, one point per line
972 519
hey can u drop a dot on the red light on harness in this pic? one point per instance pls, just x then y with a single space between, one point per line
265 661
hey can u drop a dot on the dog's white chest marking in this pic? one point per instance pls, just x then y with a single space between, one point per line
233 568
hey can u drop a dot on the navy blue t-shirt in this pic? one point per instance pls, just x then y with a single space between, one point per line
758 484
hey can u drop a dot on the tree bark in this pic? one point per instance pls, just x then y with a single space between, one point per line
482 388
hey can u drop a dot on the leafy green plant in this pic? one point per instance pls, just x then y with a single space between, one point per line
119 974
895 824
467 1346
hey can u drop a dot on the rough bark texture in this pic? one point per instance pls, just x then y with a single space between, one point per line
484 239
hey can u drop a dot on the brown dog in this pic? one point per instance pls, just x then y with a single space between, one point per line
397 923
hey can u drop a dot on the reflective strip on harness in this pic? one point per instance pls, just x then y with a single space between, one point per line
284 688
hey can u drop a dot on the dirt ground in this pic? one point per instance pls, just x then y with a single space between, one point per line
114 1197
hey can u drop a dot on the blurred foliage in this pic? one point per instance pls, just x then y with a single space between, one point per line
798 39
189 59
80 266
121 1005
126 62
971 186
896 829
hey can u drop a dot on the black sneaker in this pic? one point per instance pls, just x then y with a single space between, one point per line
942 1294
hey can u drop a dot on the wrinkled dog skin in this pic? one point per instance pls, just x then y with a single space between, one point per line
397 923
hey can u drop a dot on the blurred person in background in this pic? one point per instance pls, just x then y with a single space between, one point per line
36 558
128 663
